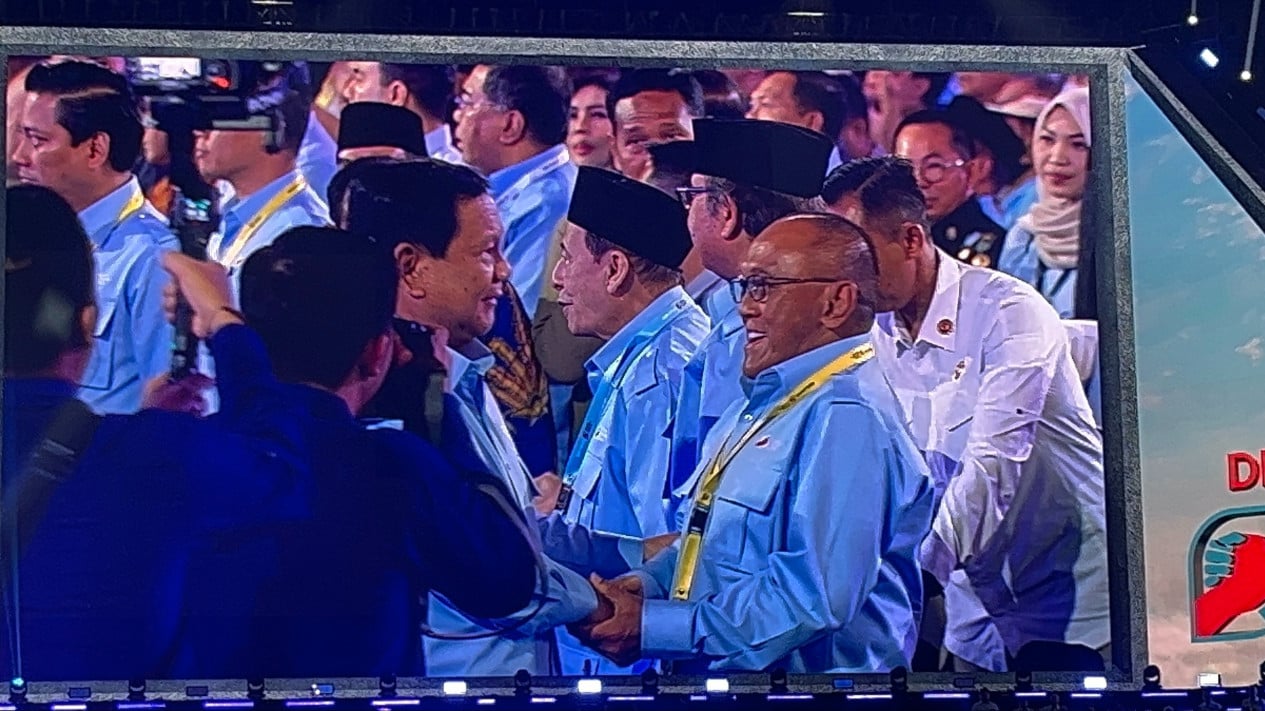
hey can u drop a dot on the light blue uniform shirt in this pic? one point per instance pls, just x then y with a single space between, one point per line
533 197
619 474
1015 204
569 597
318 156
306 209
712 383
439 145
132 339
1020 260
809 560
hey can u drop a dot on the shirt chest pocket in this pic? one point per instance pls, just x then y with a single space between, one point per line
99 374
584 488
742 529
952 411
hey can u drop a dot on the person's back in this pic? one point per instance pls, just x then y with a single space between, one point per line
325 574
99 578
331 569
93 592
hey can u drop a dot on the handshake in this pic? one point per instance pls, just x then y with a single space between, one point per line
614 628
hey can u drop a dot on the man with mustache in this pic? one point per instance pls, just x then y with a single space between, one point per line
801 547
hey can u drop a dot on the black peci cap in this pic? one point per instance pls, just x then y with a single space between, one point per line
367 124
776 156
638 217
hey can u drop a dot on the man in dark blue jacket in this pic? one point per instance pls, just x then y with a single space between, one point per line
278 538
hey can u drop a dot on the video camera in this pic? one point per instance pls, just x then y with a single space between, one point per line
185 95
217 94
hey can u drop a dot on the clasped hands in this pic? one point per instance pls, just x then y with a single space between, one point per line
614 628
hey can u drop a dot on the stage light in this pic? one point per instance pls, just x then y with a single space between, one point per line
1246 75
1095 683
650 682
778 682
136 690
1151 678
1210 58
386 687
255 690
522 683
717 686
1208 680
17 690
899 680
322 690
1192 20
589 687
455 688
1023 681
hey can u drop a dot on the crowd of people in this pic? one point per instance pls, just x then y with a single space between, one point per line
566 370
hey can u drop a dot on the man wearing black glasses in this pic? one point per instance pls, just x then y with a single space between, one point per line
943 154
732 197
801 546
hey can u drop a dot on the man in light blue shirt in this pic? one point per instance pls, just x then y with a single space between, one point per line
512 127
440 223
270 194
734 195
619 279
81 135
802 546
424 89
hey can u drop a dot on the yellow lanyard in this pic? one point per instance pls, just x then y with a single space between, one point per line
133 205
248 230
692 537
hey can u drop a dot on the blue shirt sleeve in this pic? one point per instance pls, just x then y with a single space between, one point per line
472 542
569 598
828 565
152 336
581 550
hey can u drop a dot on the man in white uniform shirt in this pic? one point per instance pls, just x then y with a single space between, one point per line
982 367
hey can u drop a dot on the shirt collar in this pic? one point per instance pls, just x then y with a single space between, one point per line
439 141
503 179
940 325
700 285
100 217
472 361
778 381
243 210
611 351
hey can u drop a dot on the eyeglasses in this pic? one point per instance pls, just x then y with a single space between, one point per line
757 287
687 194
932 171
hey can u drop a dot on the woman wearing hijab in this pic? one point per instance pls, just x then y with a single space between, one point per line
1044 246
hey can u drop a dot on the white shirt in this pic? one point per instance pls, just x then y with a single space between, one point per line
994 400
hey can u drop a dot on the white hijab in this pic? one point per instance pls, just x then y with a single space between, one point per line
1056 222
